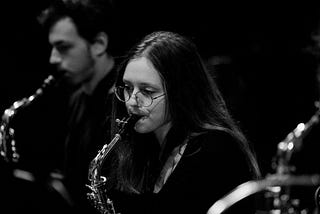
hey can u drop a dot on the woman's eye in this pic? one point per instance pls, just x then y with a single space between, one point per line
147 91
127 88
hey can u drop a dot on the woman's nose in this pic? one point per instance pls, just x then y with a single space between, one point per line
134 99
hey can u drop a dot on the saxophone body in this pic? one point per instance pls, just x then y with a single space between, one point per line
98 196
8 148
98 183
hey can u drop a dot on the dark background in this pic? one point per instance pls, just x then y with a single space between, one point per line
260 51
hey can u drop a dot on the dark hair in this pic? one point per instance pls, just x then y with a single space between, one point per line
193 98
89 16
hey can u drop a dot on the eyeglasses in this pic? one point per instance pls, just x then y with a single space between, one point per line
143 98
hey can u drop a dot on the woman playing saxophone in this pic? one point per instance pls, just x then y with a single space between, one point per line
176 158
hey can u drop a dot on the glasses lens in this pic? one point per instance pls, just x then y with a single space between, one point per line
143 99
121 94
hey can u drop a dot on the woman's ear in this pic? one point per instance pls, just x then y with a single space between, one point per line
100 44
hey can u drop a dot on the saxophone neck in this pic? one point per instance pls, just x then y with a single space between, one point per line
10 112
293 143
46 84
7 142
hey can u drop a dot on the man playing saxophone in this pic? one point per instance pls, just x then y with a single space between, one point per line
59 135
80 33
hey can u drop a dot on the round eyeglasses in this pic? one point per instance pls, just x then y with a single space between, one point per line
143 98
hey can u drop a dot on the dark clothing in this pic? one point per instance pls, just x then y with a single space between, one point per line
39 134
62 132
19 195
211 166
88 132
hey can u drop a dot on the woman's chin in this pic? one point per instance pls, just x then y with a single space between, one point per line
140 129
141 126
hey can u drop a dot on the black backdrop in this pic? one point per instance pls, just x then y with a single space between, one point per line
259 49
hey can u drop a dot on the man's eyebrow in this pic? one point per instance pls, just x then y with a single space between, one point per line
59 42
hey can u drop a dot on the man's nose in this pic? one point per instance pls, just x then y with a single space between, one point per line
55 57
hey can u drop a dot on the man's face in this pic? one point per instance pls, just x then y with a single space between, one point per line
70 52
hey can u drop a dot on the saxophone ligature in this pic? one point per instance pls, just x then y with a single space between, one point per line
8 148
98 195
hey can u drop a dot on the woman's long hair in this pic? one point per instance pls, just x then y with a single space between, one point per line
194 104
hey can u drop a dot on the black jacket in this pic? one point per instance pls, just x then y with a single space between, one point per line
212 165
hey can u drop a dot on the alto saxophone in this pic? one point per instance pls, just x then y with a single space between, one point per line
8 148
98 195
282 179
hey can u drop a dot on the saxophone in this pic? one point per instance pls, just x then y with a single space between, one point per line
98 195
293 143
279 183
8 148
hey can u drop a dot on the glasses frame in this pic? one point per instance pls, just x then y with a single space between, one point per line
152 98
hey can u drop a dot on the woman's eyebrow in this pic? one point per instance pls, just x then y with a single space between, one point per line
154 87
143 84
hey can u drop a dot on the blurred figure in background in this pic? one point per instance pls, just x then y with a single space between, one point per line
60 133
80 33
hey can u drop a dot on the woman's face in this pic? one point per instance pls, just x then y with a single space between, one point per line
141 77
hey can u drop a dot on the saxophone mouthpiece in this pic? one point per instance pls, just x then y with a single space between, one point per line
48 81
134 117
128 123
52 79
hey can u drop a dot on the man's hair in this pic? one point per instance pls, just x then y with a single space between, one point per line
89 16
